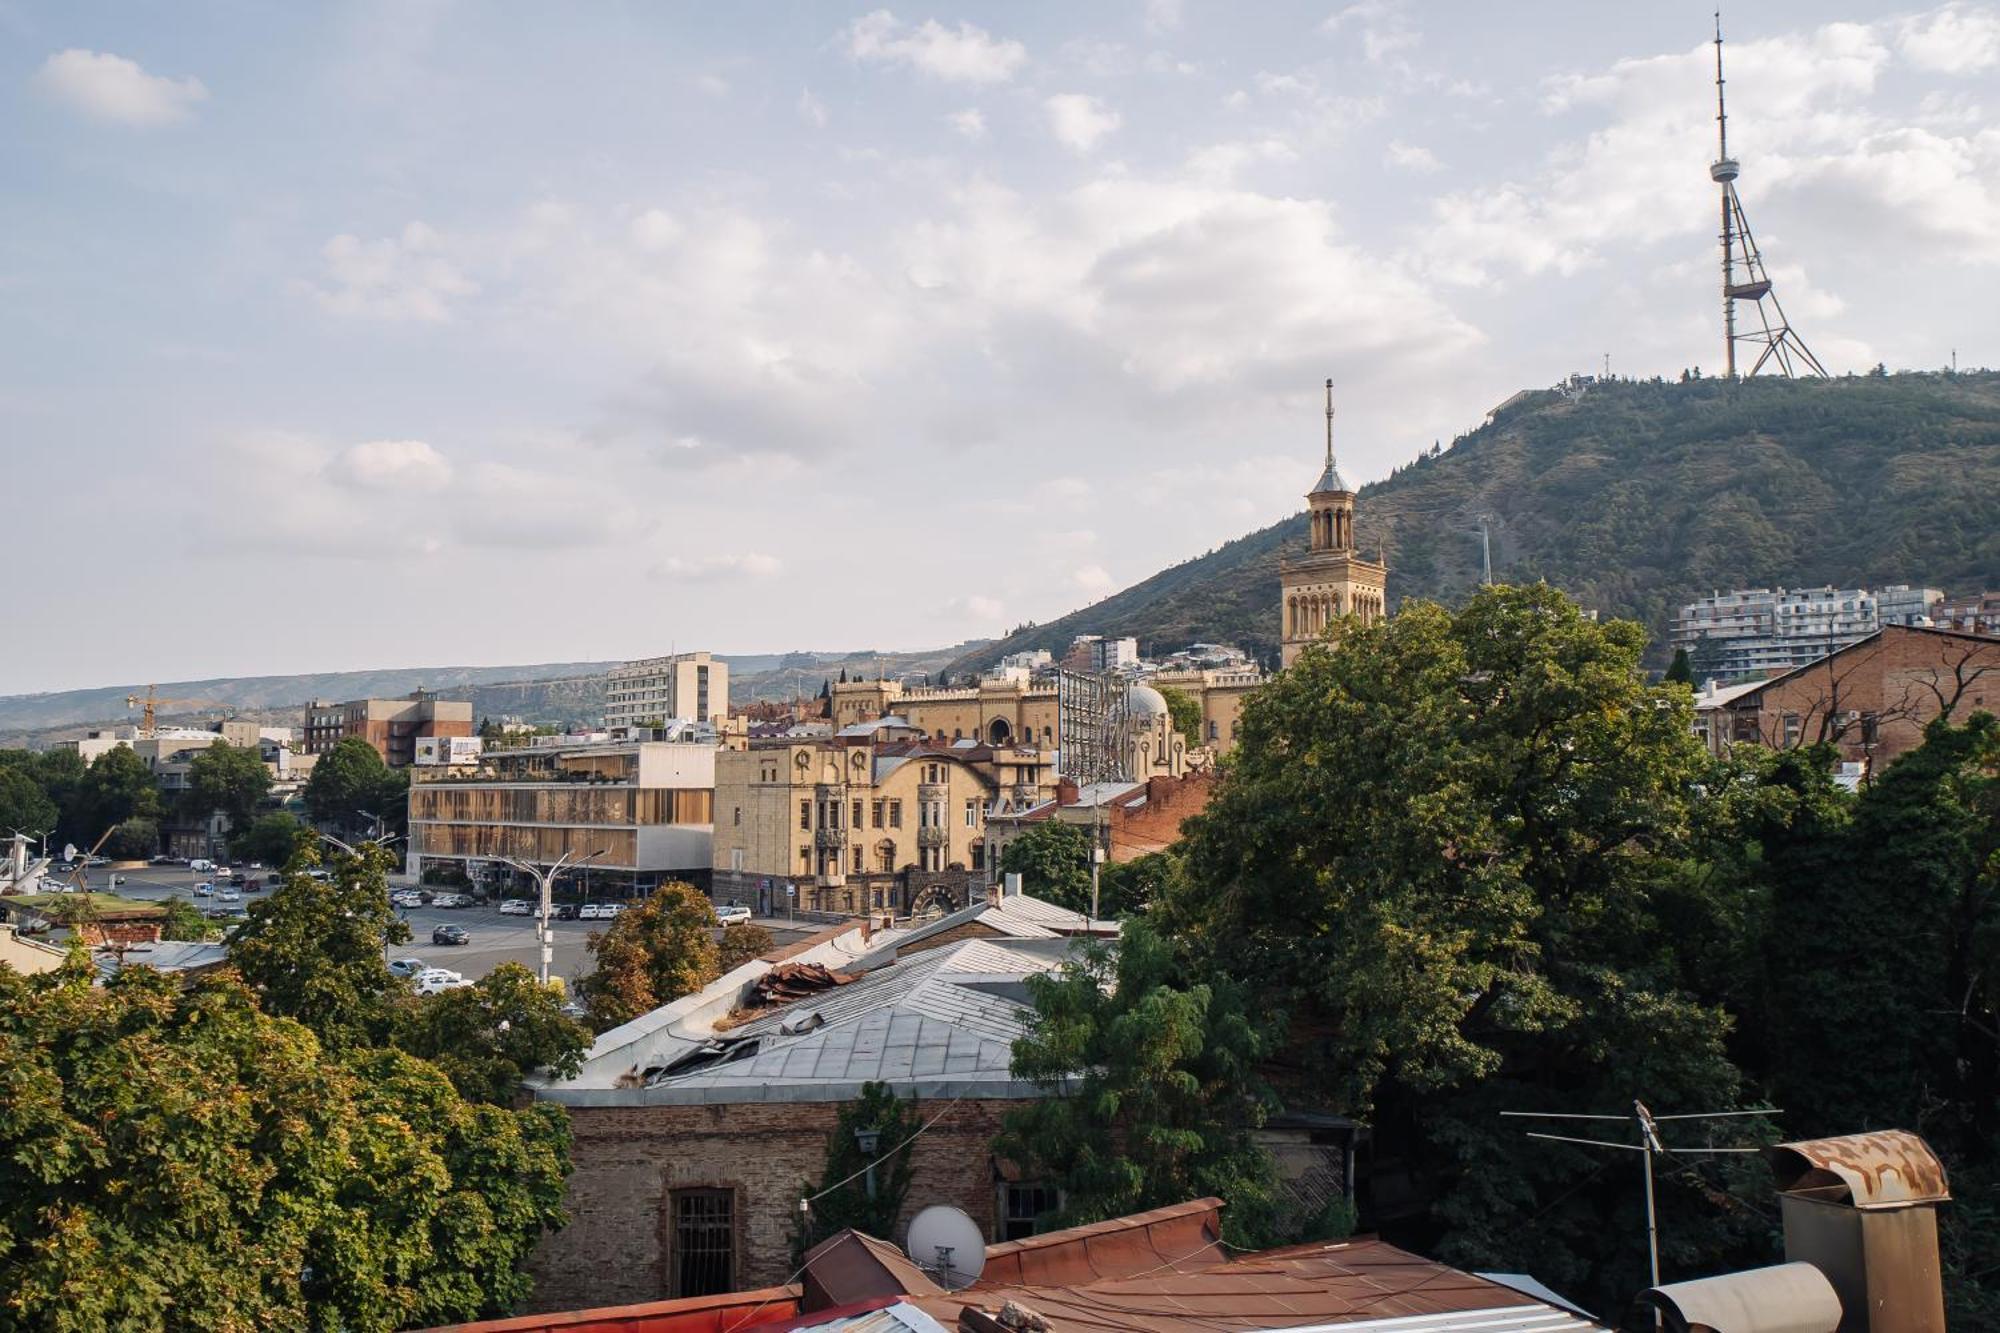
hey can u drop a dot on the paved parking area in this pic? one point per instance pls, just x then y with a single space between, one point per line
495 939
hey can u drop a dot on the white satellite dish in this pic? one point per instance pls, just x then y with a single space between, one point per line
947 1244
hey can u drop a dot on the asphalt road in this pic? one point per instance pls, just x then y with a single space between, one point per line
495 939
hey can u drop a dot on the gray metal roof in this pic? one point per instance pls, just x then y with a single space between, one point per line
1330 480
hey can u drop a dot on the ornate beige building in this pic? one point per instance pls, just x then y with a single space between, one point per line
1332 579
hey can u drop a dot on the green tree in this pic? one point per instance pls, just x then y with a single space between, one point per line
1053 860
61 774
118 786
228 779
846 1195
1682 669
651 955
185 921
488 1035
24 805
740 944
133 840
1185 712
350 778
1152 1089
1125 888
1449 849
269 839
313 950
171 1158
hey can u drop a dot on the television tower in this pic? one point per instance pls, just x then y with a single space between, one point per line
1782 347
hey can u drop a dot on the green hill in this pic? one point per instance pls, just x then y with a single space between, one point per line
1634 497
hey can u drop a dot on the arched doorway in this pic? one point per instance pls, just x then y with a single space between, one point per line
999 733
934 902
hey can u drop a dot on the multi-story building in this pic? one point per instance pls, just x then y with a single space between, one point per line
1333 579
392 726
874 818
1761 631
656 690
1095 652
646 808
1975 613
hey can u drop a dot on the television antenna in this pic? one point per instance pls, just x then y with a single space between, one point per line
946 1243
1781 344
1649 1145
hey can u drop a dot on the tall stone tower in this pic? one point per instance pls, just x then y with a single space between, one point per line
1332 579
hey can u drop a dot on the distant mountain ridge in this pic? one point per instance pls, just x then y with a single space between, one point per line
1634 496
551 692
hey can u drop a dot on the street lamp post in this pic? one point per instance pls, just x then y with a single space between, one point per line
546 881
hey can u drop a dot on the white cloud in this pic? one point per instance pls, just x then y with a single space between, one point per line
978 608
1079 121
811 110
1222 162
655 229
391 465
1411 157
1093 581
971 122
1163 15
715 566
966 54
117 91
403 277
712 85
1956 39
1384 26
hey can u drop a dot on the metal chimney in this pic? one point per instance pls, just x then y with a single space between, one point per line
1862 1209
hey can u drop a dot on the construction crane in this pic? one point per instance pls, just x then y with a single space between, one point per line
151 702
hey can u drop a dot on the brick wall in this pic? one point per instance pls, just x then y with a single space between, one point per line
1891 684
617 1247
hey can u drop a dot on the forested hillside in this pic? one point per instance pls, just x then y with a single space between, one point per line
1633 497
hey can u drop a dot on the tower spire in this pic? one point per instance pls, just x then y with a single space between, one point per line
1329 425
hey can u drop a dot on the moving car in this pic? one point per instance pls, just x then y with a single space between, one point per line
201 863
450 935
733 914
204 890
516 907
229 896
408 967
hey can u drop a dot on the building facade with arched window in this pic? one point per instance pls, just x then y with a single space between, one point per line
1332 580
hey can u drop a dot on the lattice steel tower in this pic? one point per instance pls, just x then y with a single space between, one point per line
1780 345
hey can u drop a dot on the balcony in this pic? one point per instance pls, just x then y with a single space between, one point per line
929 792
933 837
830 837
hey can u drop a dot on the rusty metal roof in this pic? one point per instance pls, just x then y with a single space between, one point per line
1350 1285
1890 1168
1181 1234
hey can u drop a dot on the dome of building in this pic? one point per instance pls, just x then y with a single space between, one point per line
1143 701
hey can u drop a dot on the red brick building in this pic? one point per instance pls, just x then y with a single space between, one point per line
392 726
1872 698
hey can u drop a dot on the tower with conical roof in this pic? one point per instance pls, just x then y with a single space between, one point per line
1332 579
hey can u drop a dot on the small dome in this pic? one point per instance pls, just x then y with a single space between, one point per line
1145 701
1330 483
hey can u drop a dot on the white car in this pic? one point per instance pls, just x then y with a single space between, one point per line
406 898
589 912
516 907
229 896
605 911
438 980
204 889
733 914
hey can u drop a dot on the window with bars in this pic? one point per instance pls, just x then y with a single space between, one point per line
704 1241
1023 1205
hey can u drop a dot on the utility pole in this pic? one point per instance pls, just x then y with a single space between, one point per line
546 881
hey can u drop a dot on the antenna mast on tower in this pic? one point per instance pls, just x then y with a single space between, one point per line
1781 346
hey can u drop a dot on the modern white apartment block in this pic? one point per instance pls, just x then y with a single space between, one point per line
655 690
1761 631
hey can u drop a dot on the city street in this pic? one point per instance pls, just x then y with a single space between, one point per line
495 939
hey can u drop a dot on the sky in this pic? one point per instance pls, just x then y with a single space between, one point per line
417 333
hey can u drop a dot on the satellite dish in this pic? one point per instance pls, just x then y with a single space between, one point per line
947 1244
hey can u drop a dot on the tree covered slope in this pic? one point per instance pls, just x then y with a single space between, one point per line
1634 497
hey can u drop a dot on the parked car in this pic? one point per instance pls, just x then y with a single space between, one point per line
566 911
516 907
408 967
605 911
405 898
204 890
431 983
450 935
159 860
590 912
733 914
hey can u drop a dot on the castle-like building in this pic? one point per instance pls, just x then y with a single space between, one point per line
1333 579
